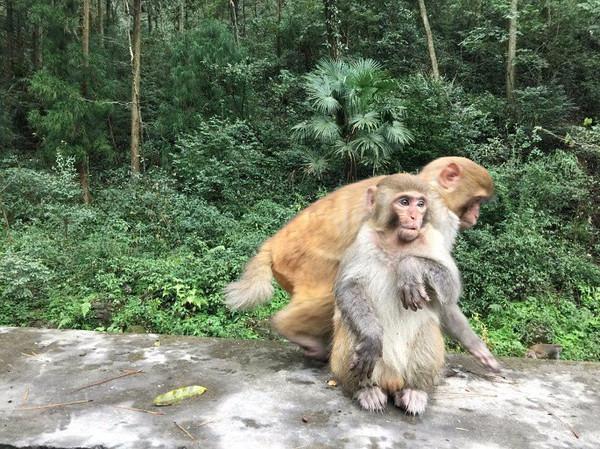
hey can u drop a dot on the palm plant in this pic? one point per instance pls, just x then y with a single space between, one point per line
356 116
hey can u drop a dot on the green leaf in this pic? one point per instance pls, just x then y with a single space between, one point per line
365 122
178 395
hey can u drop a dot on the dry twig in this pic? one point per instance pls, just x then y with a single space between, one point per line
133 409
128 373
59 404
566 424
185 431
208 421
25 395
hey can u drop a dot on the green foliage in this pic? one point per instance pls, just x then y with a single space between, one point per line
550 320
527 271
387 31
208 75
144 255
225 163
65 122
224 167
442 119
25 196
357 118
542 106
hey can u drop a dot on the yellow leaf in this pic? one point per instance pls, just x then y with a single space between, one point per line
178 395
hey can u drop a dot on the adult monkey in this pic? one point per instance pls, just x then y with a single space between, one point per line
379 348
305 254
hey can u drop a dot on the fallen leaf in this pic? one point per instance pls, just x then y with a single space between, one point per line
178 395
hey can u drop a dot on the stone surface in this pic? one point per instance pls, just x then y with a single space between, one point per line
264 395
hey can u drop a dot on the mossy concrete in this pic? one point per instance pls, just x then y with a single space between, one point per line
264 395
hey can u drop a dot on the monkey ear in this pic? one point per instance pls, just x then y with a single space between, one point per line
450 176
371 191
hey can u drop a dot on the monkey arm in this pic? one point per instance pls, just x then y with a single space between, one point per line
417 273
411 282
358 314
457 326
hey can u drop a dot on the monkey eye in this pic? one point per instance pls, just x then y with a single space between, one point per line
403 201
421 204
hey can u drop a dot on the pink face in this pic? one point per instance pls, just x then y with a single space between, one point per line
410 207
469 217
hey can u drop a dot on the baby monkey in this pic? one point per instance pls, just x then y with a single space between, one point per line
544 351
396 287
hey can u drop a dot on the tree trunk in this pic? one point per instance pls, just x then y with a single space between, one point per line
85 44
84 180
278 37
243 17
512 53
10 38
36 43
19 47
332 28
101 23
233 13
108 12
136 121
435 71
150 12
182 16
82 166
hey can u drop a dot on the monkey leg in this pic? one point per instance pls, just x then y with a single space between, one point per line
424 369
371 398
307 321
342 350
411 401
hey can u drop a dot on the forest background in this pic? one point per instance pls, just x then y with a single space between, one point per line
149 147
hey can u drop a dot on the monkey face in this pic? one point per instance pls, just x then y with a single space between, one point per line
408 209
470 213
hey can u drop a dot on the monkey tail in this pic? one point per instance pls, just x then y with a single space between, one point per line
254 286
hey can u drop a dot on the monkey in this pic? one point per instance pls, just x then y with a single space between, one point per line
544 351
379 349
304 255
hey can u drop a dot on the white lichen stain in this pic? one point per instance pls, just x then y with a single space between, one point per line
109 430
530 401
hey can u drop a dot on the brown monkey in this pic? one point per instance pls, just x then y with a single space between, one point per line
305 254
380 348
544 351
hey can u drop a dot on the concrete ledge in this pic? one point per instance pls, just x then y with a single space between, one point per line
264 395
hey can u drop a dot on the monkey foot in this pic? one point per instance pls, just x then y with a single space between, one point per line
313 348
372 399
317 353
411 401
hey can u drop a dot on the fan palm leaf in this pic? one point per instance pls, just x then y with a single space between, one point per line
396 132
368 121
357 113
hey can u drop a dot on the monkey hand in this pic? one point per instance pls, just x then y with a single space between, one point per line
366 354
485 357
413 295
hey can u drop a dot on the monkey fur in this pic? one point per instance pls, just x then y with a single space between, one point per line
380 348
305 254
544 351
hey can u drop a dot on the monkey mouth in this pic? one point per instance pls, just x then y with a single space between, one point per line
407 231
407 235
465 224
